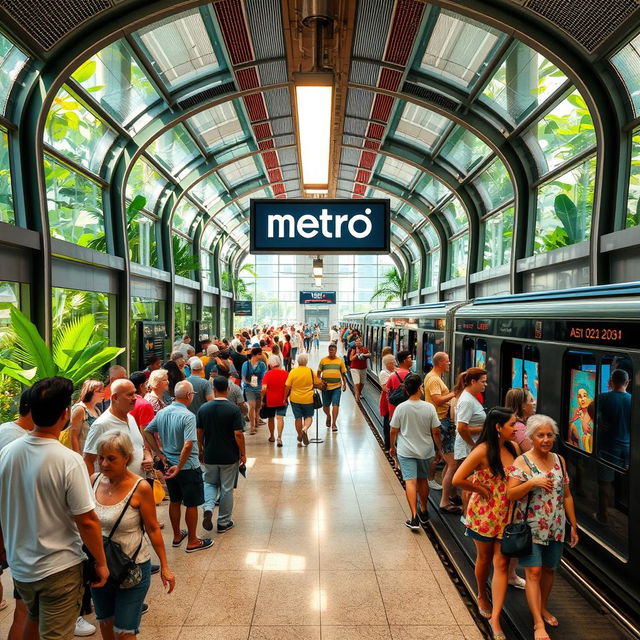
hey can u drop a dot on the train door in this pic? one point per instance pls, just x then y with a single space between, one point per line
412 345
428 349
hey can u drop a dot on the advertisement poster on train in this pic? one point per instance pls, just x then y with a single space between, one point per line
530 378
583 390
481 358
516 373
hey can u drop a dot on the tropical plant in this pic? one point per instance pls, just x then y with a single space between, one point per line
236 284
184 262
393 286
74 355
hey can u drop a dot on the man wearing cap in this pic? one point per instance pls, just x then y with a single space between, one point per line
202 390
211 368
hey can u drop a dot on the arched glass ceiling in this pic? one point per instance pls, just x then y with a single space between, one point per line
12 61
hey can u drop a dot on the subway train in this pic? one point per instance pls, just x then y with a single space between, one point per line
563 346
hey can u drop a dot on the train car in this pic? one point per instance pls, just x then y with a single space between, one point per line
564 347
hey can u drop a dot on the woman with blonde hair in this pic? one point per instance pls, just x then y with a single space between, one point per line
158 386
83 414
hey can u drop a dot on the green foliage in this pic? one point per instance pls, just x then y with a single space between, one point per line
392 287
74 355
236 284
184 262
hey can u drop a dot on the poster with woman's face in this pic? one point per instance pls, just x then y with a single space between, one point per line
583 389
530 378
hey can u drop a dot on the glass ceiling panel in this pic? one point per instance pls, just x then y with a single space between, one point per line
433 239
180 48
411 214
240 171
399 172
243 203
208 236
75 132
174 149
184 215
226 250
522 82
144 180
399 232
12 60
421 127
218 126
234 152
464 149
456 215
460 48
494 183
207 190
565 132
226 216
627 63
431 190
117 82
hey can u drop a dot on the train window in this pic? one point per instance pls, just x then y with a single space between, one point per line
428 349
391 341
402 341
480 355
613 406
520 368
468 352
413 347
581 393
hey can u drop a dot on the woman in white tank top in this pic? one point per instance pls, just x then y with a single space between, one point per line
118 491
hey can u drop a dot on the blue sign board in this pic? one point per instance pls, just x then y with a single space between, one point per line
317 297
242 308
317 226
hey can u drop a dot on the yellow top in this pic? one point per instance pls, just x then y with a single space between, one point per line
330 371
300 381
433 384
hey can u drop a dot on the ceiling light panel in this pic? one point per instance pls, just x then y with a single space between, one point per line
180 48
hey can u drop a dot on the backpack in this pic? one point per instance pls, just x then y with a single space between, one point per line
399 394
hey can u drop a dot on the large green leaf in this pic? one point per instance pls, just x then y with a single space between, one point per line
12 370
98 361
85 355
30 348
567 213
72 338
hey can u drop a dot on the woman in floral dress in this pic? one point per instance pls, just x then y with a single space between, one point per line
543 474
484 473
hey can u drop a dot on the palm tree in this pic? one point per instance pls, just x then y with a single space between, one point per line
237 284
392 287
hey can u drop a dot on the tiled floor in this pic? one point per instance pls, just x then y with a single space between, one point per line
319 550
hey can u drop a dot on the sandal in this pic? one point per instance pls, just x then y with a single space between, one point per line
451 510
272 439
334 429
252 432
3 604
547 637
551 620
485 613
205 543
279 442
183 535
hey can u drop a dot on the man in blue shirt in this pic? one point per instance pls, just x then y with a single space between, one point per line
176 426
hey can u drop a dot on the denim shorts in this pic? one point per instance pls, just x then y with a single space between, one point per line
414 467
251 396
302 410
123 605
474 535
272 412
543 555
331 396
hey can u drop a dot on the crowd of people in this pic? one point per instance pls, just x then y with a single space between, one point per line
80 481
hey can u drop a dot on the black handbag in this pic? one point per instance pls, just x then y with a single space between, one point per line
123 570
263 412
516 539
399 394
317 400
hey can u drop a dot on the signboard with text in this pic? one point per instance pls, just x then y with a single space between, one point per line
317 297
317 226
242 308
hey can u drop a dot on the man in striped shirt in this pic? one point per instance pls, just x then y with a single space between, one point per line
332 371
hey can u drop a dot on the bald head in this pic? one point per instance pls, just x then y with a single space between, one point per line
441 361
123 398
116 372
184 392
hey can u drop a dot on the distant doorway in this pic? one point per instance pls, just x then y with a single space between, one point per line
320 317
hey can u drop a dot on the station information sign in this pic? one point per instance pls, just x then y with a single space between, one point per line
317 297
242 308
317 226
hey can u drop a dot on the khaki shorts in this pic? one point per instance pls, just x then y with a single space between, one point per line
54 602
359 376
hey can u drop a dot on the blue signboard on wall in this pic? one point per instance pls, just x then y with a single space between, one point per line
317 297
242 308
319 226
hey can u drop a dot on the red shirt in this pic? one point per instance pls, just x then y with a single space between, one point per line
286 349
142 411
358 363
274 380
393 383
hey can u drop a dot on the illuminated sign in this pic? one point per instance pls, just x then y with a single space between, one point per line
617 334
319 226
242 308
317 297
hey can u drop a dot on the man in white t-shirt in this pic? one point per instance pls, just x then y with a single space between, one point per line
10 431
47 513
123 400
417 423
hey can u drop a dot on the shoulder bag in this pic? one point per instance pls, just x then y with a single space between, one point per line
123 570
399 394
317 400
516 539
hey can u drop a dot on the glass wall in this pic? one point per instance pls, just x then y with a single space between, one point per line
6 195
498 237
9 388
69 304
184 317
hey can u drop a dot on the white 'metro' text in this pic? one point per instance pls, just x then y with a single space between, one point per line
308 226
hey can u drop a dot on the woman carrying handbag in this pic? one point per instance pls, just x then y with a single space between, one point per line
540 476
126 508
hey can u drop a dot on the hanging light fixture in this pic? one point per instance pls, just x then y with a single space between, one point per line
317 267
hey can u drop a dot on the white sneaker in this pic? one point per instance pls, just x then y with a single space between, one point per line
435 485
83 628
517 582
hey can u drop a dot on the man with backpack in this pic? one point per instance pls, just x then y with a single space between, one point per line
417 422
395 395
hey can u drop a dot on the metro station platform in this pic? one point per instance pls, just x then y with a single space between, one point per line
319 550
